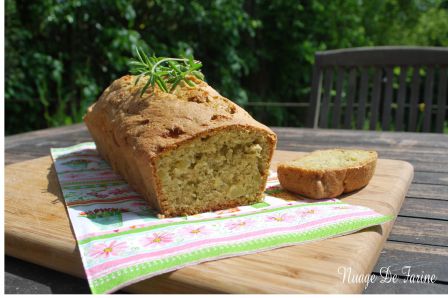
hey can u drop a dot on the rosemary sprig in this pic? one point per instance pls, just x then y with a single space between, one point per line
166 72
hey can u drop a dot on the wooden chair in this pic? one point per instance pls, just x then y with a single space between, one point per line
392 88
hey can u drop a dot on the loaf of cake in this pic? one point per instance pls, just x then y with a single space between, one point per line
328 173
185 152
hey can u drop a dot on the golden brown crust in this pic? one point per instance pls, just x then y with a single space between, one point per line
326 183
133 131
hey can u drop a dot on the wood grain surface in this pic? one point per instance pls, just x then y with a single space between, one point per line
427 152
38 230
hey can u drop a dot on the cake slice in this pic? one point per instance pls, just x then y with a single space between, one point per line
188 152
328 173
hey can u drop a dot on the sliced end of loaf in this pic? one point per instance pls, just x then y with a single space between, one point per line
214 171
328 173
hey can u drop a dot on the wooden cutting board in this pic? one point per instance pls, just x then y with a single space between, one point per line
37 229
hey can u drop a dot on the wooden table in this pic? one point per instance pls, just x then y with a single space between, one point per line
419 238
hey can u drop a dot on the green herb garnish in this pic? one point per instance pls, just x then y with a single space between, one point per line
166 72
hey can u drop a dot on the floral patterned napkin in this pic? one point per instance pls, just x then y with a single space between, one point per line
122 241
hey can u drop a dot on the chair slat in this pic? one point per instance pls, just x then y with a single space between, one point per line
314 108
376 95
363 90
387 99
413 108
373 100
386 55
441 100
340 73
399 121
350 98
326 97
429 87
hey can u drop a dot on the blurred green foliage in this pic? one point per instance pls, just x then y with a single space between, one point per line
60 55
